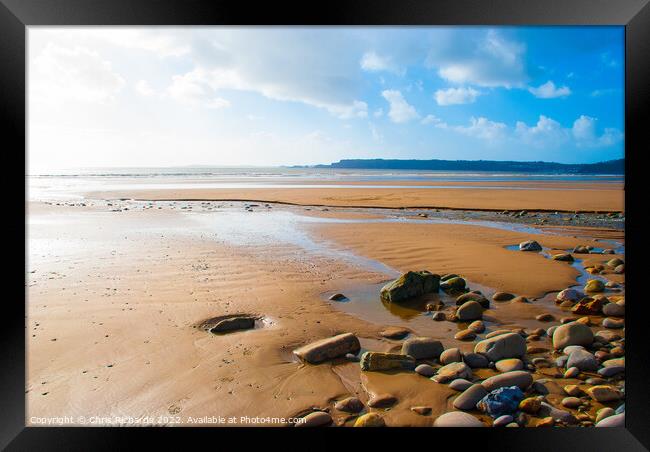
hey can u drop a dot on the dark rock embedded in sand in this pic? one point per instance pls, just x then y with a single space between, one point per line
338 297
329 348
409 285
473 296
565 257
470 310
530 245
501 401
422 348
476 360
378 361
502 296
588 306
455 283
508 345
233 324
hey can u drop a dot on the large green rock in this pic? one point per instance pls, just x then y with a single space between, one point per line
409 285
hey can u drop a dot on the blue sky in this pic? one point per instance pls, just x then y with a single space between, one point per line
283 96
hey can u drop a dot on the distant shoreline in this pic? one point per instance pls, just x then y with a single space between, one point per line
610 167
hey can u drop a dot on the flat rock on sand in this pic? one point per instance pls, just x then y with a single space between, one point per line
508 365
509 345
395 332
457 419
470 397
422 348
452 371
519 378
378 361
315 419
329 348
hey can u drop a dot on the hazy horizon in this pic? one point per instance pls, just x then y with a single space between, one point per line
120 97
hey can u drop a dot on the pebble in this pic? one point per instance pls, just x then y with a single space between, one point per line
382 400
572 348
470 310
608 372
614 309
572 334
617 420
603 413
520 299
510 345
583 360
476 361
545 317
502 296
508 365
460 384
370 420
607 336
465 335
519 378
421 410
338 297
439 316
572 372
394 332
457 419
571 295
422 348
452 371
594 286
603 393
477 326
595 381
546 422
571 402
451 355
613 323
531 405
503 421
573 390
349 405
530 245
425 370
315 419
470 397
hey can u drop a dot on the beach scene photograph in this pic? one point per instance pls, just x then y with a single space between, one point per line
325 226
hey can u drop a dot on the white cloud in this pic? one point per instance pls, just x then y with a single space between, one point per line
455 96
194 89
546 133
372 62
144 89
549 91
584 132
378 113
432 119
484 129
400 110
479 58
60 74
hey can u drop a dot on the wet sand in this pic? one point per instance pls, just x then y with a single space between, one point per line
115 294
550 196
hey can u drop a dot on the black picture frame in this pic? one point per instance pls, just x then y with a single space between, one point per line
16 15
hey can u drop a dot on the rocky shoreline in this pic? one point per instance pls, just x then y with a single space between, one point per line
564 375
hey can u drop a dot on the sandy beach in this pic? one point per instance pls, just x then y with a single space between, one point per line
122 283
